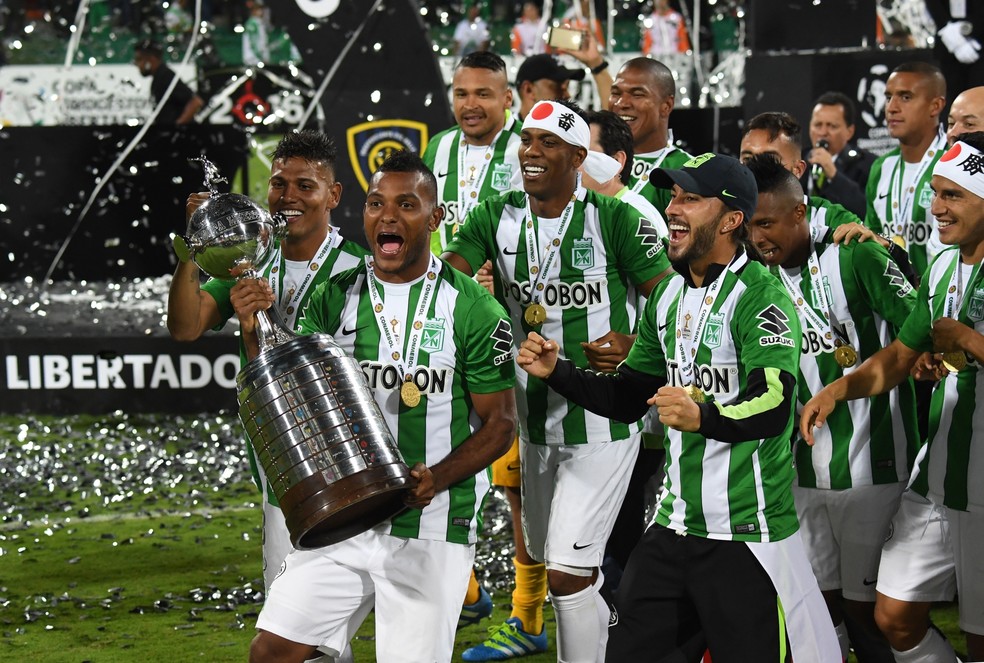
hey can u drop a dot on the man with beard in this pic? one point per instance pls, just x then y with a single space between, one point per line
565 260
717 353
477 158
453 414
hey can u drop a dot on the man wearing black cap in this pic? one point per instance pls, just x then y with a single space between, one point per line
542 77
717 353
182 102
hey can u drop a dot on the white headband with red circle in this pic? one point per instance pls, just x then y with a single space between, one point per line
560 120
963 164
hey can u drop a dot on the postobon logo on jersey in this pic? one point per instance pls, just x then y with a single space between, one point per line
716 380
580 294
815 343
385 376
914 233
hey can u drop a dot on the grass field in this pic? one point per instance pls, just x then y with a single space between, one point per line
135 538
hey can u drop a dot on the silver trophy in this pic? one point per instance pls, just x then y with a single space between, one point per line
317 431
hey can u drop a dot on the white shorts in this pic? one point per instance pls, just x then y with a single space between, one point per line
844 531
932 553
571 497
416 586
276 537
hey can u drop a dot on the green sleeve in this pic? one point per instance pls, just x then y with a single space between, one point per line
488 345
766 327
870 192
917 331
219 290
881 282
641 251
647 354
473 241
327 297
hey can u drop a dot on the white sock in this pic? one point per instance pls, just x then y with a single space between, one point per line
933 649
842 639
582 624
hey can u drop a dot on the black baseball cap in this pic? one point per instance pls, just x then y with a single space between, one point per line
544 65
713 176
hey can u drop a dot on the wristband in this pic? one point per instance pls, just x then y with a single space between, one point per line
600 68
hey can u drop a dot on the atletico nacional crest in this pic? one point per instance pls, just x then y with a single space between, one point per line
433 336
714 330
582 255
370 143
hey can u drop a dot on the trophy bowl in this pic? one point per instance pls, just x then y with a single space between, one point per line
227 231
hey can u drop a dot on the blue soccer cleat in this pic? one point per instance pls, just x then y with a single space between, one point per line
507 640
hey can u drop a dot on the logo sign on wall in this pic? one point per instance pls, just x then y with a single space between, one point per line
370 143
268 99
870 99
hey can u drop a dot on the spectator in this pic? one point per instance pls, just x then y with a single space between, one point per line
181 103
472 33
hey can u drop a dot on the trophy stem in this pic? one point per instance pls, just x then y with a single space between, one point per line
271 330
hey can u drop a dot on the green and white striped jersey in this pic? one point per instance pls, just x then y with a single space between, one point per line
951 471
485 177
607 248
642 165
733 491
466 348
341 255
868 440
899 197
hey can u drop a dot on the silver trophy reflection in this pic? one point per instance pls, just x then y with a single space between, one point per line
324 446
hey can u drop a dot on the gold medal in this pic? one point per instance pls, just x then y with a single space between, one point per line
846 356
954 361
535 315
696 395
410 394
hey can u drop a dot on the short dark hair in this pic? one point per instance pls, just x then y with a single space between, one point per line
405 161
926 70
776 123
662 76
309 145
572 105
483 60
614 136
772 177
973 138
150 47
838 99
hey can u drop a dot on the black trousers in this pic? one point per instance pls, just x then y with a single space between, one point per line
681 595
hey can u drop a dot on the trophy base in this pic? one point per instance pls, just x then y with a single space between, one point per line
319 514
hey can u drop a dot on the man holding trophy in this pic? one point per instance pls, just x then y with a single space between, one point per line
302 188
437 351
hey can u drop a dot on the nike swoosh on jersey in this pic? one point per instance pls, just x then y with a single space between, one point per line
349 332
882 195
507 252
444 174
577 547
662 327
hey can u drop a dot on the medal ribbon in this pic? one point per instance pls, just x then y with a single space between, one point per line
464 203
905 198
277 284
686 350
955 289
644 178
822 322
407 363
539 268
